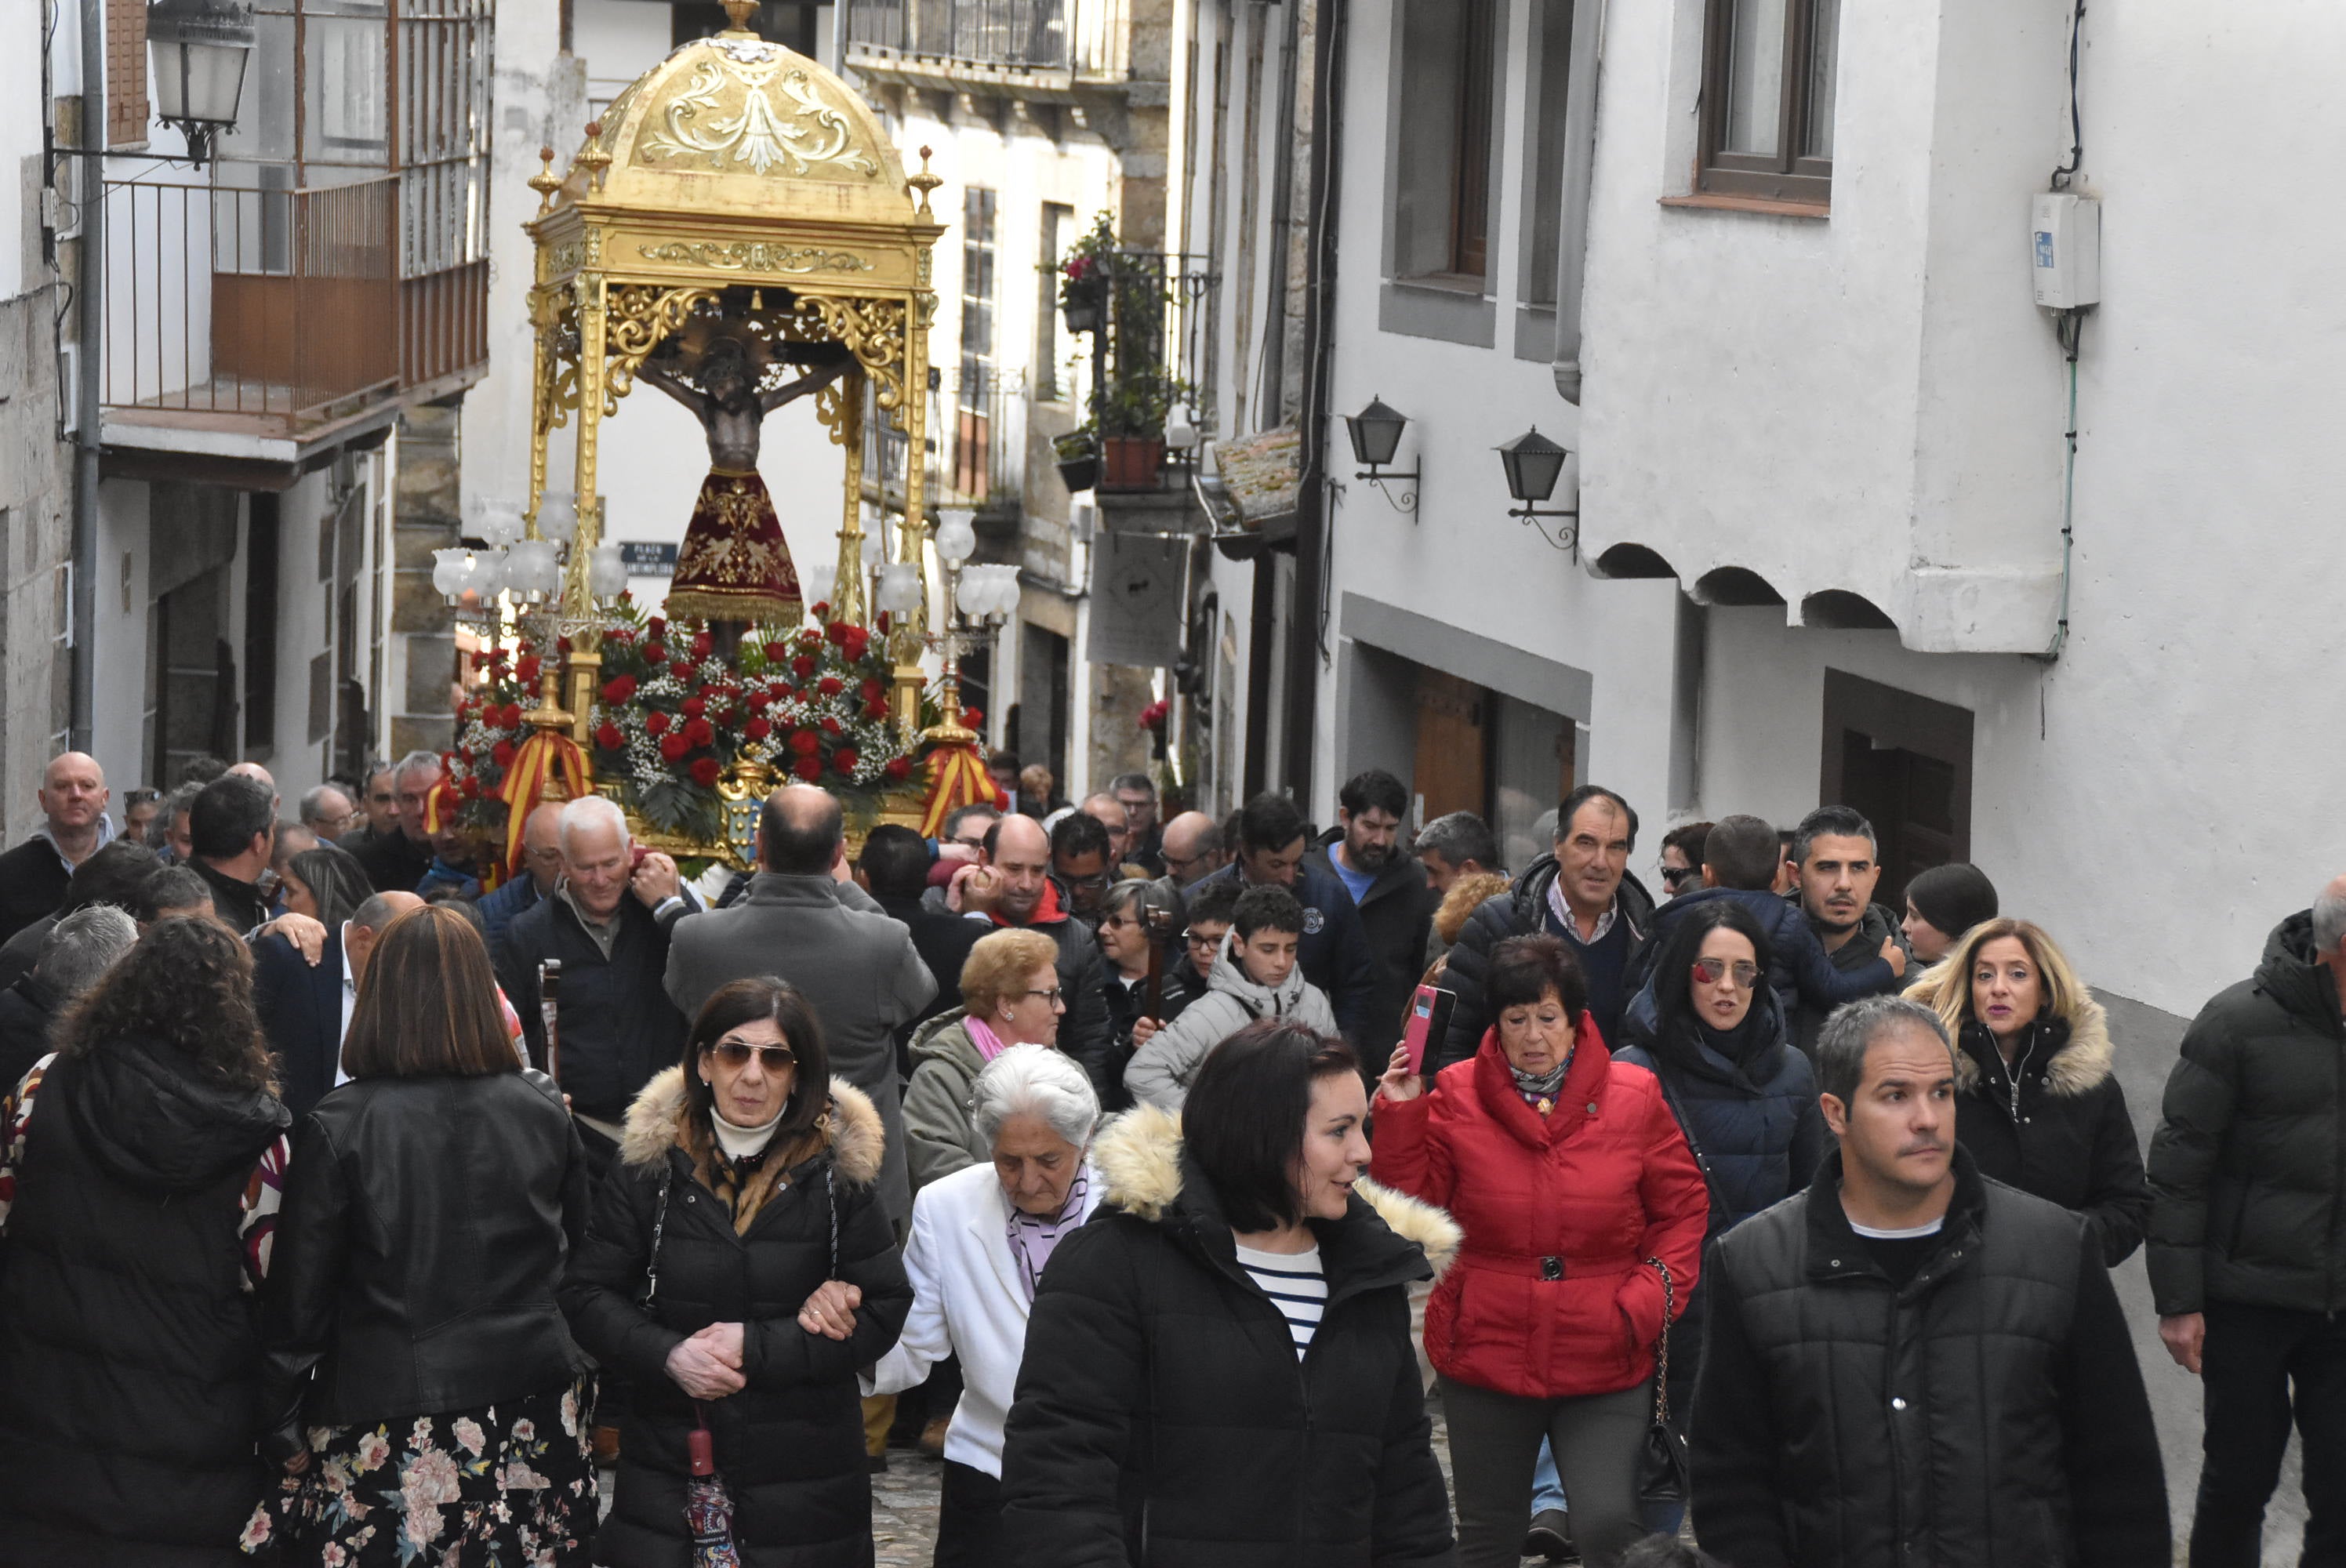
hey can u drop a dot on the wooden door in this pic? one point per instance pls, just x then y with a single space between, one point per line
1453 772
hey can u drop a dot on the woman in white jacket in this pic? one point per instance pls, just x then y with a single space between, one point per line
1255 976
980 1239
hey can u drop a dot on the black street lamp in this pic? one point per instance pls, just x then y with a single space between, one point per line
1534 464
199 50
1376 436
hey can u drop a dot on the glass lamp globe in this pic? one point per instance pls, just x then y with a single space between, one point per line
447 573
606 573
817 580
900 589
557 516
956 535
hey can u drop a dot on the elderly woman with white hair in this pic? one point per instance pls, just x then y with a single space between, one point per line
981 1238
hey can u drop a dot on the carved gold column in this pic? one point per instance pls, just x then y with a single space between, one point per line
848 600
577 591
920 307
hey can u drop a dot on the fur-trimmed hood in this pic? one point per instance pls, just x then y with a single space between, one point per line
1464 897
853 1130
2077 1066
1139 1156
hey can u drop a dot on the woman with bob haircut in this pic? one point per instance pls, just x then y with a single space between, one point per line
1009 996
137 1187
738 1272
1571 1180
2037 1101
1219 1367
422 1389
981 1238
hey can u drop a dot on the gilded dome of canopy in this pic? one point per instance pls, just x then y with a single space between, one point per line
734 123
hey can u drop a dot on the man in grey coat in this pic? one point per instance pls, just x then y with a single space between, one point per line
856 966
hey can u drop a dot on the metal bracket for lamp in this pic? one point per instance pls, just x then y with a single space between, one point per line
1564 538
1407 505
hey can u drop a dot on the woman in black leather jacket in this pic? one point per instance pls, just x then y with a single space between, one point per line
411 1317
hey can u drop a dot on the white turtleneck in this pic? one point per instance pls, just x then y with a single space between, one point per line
739 1143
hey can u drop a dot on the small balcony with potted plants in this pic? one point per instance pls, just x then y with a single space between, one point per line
1147 315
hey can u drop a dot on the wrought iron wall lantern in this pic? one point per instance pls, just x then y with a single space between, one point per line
1376 436
200 50
1534 464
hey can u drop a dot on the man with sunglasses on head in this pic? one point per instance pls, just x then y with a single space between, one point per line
802 920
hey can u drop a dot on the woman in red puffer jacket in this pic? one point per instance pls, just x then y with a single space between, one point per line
1570 1174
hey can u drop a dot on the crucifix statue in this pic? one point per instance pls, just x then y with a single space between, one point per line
734 567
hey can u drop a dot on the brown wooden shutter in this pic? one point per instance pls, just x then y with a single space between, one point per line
126 72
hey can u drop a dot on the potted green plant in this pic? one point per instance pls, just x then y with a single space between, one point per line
1132 418
1078 458
1084 275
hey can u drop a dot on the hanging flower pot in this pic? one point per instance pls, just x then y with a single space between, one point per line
1081 315
1078 460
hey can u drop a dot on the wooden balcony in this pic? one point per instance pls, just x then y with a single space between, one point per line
266 324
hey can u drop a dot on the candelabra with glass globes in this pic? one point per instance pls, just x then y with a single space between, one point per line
978 599
529 571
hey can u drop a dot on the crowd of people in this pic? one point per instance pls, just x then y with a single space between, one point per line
365 1200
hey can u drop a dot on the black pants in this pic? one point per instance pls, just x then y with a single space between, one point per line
969 1519
2255 1359
1495 1441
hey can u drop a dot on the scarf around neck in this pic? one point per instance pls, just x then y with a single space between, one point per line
1034 1236
1539 1091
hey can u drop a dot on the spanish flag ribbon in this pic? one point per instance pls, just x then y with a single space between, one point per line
442 806
957 778
547 754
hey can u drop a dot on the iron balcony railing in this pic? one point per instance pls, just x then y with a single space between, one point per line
286 306
976 441
1152 317
1083 38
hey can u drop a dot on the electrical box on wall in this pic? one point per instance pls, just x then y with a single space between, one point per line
2064 236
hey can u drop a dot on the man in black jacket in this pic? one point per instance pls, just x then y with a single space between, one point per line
609 923
2248 1236
1334 951
396 860
78 950
1835 856
1388 886
895 869
1583 892
33 875
232 829
305 1008
1910 1363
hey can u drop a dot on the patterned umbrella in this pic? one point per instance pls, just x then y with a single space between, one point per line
708 1506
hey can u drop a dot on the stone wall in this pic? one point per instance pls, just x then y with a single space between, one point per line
427 513
35 542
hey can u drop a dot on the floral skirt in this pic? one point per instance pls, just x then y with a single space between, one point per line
508 1486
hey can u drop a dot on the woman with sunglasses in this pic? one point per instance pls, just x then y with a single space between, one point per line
738 1271
1009 996
1572 1182
1742 1094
